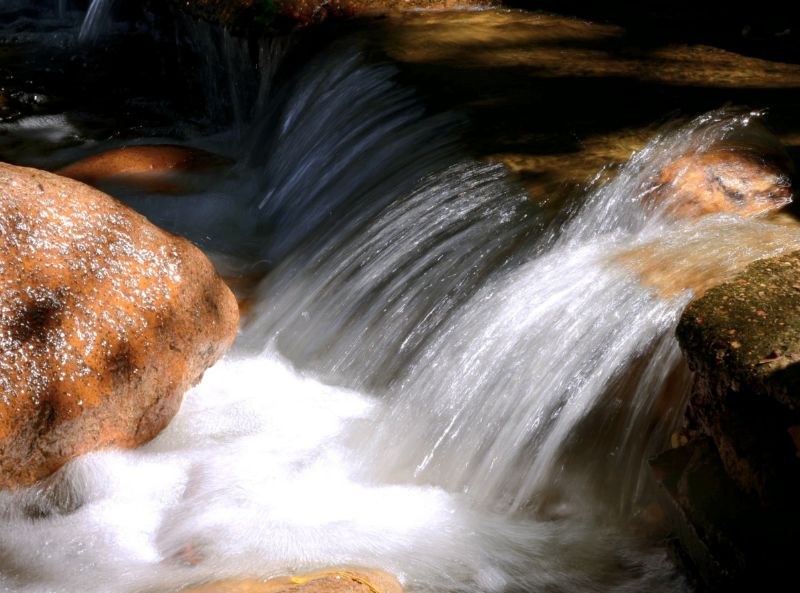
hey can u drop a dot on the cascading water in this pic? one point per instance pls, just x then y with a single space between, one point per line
491 386
435 381
97 16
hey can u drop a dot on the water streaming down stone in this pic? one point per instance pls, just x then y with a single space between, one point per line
97 16
338 142
497 385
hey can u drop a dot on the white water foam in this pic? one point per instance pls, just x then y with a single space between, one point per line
253 479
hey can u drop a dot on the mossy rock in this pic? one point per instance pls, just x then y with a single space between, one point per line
744 335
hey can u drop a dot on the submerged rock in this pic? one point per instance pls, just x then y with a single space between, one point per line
143 165
748 176
362 581
105 321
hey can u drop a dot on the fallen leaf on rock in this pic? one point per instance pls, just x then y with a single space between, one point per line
775 355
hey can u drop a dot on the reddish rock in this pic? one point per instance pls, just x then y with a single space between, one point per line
105 321
143 165
731 179
345 581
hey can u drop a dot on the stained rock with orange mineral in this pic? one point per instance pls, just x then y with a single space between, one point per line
345 581
746 175
147 166
105 322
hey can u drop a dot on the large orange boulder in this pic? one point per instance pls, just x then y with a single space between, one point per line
105 321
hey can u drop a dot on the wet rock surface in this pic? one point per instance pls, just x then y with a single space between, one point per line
732 500
105 321
144 165
735 181
345 581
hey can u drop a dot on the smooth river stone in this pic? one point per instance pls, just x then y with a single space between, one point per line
345 581
105 322
143 166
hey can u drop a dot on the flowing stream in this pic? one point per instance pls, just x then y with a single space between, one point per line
437 378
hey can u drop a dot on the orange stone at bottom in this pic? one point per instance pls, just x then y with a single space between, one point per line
333 581
143 165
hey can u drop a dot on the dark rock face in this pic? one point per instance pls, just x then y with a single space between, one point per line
731 492
105 321
730 539
244 16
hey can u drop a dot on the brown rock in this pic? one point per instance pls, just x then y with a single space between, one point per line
731 179
726 538
794 432
105 321
242 16
345 581
142 166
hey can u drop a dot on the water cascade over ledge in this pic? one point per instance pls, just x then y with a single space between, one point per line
436 379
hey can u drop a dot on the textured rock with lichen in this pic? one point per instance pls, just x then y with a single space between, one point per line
745 335
105 321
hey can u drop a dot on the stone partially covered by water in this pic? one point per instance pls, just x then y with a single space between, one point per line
105 321
745 176
344 581
146 166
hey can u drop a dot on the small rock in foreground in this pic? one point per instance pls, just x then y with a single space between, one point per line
361 581
105 322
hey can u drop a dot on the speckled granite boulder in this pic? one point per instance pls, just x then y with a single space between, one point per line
105 321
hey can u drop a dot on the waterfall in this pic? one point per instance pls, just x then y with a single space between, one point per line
495 369
97 16
325 152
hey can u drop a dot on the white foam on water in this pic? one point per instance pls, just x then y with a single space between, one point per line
50 128
253 479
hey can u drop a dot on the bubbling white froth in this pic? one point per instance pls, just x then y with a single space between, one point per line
254 478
